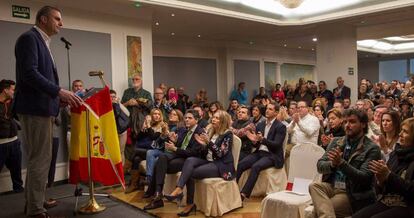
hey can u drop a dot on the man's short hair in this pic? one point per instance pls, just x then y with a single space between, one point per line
360 114
5 84
77 81
45 11
195 113
276 105
112 91
244 107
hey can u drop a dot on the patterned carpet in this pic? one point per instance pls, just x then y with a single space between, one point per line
251 207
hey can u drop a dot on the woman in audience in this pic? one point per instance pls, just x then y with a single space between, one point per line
319 112
335 127
395 179
201 97
217 161
175 120
390 127
257 112
213 108
172 97
152 136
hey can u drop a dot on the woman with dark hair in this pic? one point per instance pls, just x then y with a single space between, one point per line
175 120
395 179
172 97
213 107
390 127
217 160
257 112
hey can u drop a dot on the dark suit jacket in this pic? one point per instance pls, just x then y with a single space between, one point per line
193 148
345 92
37 82
273 141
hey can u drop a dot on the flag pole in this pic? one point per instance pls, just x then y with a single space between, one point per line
92 206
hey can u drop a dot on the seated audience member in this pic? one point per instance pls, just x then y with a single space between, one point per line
395 179
390 128
319 112
262 93
292 109
347 184
179 147
216 161
255 101
172 97
268 139
201 97
257 112
374 127
152 136
278 95
232 109
335 127
240 94
213 107
183 102
163 87
304 126
203 121
347 103
10 152
406 110
339 104
175 120
282 116
241 127
304 95
162 103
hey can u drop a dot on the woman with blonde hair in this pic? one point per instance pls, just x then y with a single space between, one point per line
152 136
216 160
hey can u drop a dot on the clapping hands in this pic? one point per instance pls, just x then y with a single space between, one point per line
380 169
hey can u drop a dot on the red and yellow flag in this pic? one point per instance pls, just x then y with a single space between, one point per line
106 162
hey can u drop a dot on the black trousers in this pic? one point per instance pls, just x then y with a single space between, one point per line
167 163
140 155
196 168
11 156
256 162
52 168
380 210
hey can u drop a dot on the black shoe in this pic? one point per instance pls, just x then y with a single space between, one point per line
147 194
192 209
154 204
171 198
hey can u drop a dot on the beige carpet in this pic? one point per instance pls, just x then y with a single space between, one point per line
251 207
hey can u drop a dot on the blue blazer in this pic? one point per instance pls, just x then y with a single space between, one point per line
37 82
273 141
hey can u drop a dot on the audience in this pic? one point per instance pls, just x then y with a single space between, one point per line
304 127
240 94
241 127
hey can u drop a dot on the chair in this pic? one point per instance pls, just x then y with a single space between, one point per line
215 196
270 180
304 158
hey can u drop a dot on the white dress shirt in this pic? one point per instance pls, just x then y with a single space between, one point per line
306 130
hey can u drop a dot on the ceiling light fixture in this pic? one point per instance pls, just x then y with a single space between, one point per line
291 3
315 39
157 24
173 34
199 36
172 15
284 45
299 46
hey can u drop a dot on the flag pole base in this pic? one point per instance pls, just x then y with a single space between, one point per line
92 207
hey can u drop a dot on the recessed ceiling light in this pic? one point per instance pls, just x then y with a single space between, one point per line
299 46
284 45
172 33
173 15
251 42
313 49
137 5
157 24
199 36
315 39
362 21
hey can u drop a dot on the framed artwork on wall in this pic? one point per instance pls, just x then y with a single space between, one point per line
134 57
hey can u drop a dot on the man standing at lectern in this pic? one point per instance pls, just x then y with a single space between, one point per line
37 100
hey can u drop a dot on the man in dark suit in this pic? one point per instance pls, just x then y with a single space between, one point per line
181 146
37 100
268 140
342 91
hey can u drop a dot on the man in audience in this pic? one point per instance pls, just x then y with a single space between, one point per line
347 103
268 139
240 94
324 92
394 91
348 184
339 105
77 86
37 100
183 102
232 110
303 95
304 126
202 122
163 87
161 103
240 127
341 91
360 104
10 152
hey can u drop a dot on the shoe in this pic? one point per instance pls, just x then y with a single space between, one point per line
157 202
50 203
185 214
148 194
171 198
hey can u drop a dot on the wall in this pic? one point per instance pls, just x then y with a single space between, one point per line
118 27
368 69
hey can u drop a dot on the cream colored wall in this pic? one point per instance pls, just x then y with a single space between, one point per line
118 27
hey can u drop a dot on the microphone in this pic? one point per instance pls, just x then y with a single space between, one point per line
65 41
96 73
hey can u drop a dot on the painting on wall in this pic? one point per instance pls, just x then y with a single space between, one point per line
134 57
292 72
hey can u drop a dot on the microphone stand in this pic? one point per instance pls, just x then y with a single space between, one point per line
67 46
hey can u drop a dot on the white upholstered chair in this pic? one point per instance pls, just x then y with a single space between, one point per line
216 196
303 160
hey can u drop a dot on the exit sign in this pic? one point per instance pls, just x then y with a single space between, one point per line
20 12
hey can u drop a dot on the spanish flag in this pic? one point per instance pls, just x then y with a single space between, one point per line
106 162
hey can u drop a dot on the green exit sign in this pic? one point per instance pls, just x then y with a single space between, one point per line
21 12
